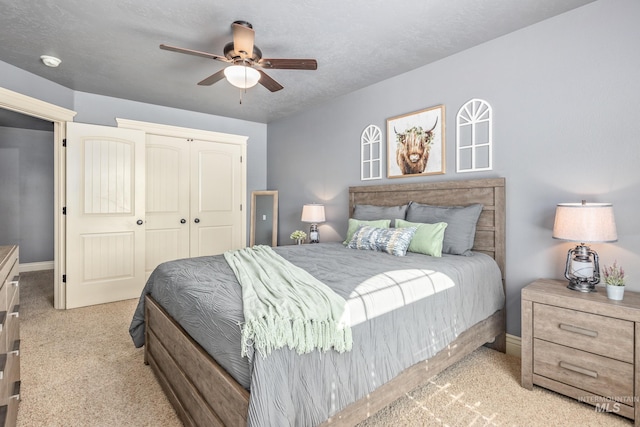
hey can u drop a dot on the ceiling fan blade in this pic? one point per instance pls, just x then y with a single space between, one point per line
216 77
289 64
243 38
268 82
193 52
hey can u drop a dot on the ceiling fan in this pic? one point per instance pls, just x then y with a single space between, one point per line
247 61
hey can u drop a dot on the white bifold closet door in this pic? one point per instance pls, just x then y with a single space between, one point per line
193 199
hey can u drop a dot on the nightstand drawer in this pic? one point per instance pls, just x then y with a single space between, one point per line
586 371
602 335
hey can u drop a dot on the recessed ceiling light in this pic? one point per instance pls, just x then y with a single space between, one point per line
50 61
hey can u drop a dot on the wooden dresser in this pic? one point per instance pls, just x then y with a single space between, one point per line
9 336
582 345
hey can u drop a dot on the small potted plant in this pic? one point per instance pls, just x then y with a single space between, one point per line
614 279
299 236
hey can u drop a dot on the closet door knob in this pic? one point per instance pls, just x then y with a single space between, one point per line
139 222
183 221
197 220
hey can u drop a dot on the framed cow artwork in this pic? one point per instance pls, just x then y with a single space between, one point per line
415 143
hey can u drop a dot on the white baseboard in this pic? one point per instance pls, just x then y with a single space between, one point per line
36 266
514 347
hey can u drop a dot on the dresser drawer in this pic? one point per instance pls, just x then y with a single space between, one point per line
4 332
602 335
586 371
13 367
4 282
9 410
12 324
11 265
12 286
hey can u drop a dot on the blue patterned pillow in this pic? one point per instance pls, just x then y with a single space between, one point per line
394 241
365 238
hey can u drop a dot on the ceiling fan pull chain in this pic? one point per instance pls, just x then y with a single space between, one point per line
245 84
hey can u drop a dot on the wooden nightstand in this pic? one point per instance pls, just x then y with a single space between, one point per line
582 345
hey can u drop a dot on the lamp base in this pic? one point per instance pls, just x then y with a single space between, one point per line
575 285
582 269
314 236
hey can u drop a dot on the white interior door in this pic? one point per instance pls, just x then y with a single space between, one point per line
105 214
167 200
216 192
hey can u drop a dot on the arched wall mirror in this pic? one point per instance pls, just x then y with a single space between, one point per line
264 218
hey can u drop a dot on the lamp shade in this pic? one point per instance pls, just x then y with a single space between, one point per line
585 222
242 76
313 213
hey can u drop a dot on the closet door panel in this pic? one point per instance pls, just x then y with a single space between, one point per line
167 200
216 205
213 240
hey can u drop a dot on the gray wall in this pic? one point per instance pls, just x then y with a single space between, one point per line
565 96
17 80
26 192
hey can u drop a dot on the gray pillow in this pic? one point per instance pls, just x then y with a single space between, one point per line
372 212
461 224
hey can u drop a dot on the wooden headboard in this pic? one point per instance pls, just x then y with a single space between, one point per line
490 231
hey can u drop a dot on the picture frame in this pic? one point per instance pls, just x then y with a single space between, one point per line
416 143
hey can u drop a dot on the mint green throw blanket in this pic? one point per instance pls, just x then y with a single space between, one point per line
285 305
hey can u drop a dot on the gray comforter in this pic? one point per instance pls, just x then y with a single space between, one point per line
403 310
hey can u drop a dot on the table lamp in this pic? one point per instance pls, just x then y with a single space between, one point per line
314 214
585 223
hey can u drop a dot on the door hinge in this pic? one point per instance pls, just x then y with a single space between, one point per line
240 207
64 278
64 142
64 210
240 159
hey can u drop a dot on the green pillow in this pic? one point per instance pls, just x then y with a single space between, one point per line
355 223
428 238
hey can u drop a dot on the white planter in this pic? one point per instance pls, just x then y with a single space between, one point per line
615 292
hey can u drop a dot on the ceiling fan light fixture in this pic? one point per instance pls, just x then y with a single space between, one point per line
242 76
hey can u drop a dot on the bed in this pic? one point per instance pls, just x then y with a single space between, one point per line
208 392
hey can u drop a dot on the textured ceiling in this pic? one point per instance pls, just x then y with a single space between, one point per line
111 47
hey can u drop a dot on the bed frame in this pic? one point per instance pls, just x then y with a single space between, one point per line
204 394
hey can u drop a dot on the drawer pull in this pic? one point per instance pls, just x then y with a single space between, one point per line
15 351
16 391
15 281
16 311
3 365
578 369
578 330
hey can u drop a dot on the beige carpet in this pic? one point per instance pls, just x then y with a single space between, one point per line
80 368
